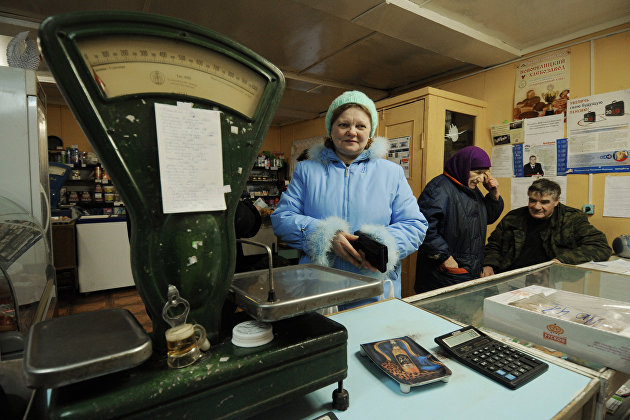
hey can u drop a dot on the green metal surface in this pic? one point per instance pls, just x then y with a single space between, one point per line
161 243
308 352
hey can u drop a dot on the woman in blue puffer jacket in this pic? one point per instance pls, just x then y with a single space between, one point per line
344 186
458 216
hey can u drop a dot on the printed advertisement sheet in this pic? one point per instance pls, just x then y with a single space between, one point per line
542 86
599 133
399 152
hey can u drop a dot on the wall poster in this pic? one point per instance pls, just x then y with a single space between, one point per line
535 160
399 152
508 133
598 129
542 86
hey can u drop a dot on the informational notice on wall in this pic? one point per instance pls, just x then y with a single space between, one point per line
551 156
191 158
544 129
541 146
598 130
399 152
617 197
501 161
507 133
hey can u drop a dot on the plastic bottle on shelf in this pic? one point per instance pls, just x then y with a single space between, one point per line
74 155
98 173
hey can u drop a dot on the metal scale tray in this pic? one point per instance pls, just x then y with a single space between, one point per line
299 289
74 348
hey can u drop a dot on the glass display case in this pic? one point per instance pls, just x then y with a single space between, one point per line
27 296
27 279
464 305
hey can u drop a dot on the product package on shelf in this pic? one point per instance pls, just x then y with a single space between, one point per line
593 328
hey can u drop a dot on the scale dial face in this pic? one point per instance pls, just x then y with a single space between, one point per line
139 64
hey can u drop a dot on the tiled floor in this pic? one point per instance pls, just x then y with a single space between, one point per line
127 298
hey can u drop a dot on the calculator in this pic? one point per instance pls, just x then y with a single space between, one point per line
492 358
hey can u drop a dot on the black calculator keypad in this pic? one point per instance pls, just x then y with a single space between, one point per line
496 360
502 360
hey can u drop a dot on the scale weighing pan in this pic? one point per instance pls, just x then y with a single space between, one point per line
299 289
73 348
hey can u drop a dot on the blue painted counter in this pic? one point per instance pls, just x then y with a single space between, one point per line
468 395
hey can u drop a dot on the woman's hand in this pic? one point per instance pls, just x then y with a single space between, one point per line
343 249
492 185
450 262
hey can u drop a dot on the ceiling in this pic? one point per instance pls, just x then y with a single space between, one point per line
382 47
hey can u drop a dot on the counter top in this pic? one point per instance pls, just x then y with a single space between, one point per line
467 395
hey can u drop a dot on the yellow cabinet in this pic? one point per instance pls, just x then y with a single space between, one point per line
437 124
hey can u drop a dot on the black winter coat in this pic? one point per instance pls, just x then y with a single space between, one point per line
458 218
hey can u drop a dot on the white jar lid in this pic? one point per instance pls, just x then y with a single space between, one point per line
252 334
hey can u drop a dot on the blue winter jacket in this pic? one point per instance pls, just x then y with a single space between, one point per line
371 195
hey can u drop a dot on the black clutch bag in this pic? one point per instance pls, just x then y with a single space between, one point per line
375 252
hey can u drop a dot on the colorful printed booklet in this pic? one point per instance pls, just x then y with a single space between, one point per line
406 362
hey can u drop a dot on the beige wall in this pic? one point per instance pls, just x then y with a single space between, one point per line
62 123
281 138
611 60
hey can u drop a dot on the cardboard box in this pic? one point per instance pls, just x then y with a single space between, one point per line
563 326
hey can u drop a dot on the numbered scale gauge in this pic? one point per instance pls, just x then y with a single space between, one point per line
126 65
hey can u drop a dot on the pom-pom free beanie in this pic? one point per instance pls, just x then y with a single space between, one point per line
353 97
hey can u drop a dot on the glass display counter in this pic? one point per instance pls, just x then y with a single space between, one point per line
26 270
463 304
27 296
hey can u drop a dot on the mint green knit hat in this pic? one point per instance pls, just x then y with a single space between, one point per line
353 97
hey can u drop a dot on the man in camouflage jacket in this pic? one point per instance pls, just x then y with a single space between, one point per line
542 231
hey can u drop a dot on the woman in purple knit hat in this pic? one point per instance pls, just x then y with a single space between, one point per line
458 215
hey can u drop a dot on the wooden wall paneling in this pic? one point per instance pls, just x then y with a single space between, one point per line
53 121
71 132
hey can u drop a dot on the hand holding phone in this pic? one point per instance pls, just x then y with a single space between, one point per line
375 252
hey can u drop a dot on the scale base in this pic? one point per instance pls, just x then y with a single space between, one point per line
308 352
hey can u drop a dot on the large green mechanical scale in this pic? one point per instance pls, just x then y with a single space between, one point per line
113 68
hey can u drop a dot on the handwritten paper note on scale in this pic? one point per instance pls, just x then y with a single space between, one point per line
191 158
